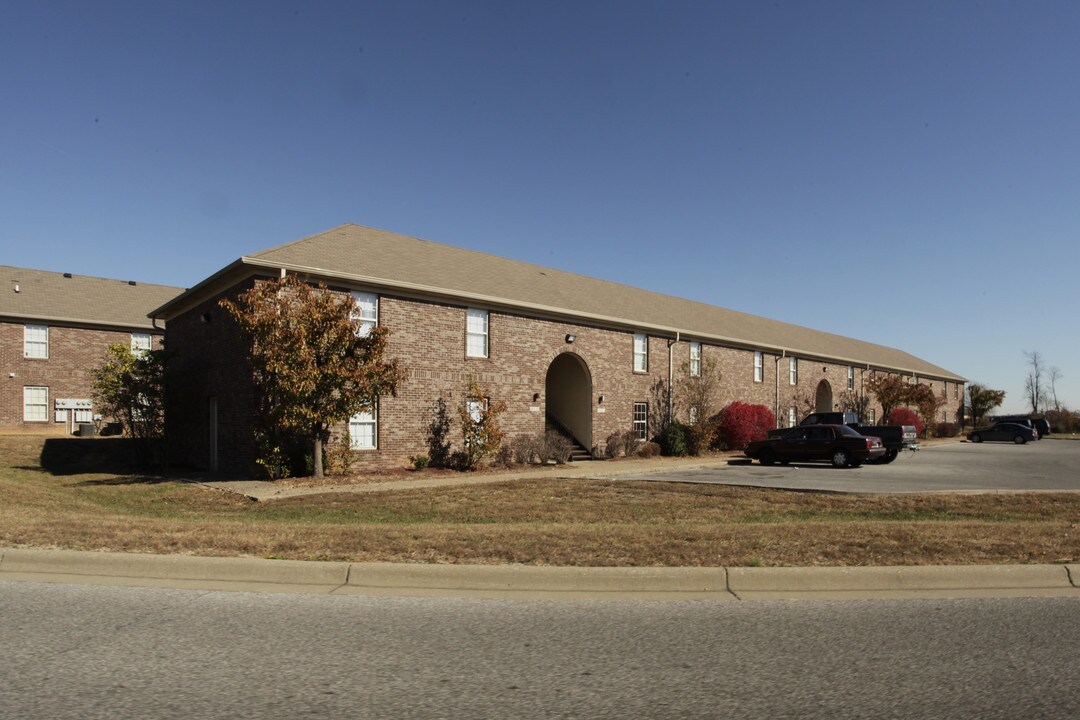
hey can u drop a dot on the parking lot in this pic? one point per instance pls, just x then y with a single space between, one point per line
1048 465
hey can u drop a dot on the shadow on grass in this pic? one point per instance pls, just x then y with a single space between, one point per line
111 456
127 480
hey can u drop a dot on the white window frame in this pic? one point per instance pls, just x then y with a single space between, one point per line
641 420
36 342
759 366
641 353
366 314
793 371
850 377
141 343
873 415
39 403
695 360
792 419
476 333
359 440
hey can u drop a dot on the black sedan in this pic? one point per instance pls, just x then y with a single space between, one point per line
1005 432
838 444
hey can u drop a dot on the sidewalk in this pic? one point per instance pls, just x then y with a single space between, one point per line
596 470
526 582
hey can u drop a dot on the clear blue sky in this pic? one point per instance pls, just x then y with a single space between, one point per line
905 173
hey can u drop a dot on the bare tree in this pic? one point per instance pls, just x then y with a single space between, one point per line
1033 386
1054 376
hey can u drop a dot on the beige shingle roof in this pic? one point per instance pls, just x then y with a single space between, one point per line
381 258
79 299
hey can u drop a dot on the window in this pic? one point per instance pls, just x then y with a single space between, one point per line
759 367
956 391
695 360
850 378
140 343
693 414
476 333
36 341
476 407
791 419
793 371
366 313
641 420
945 390
641 353
35 404
362 430
873 416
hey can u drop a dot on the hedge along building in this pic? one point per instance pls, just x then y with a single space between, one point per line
588 356
54 329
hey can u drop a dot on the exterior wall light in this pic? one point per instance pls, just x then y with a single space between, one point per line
570 337
600 400
536 397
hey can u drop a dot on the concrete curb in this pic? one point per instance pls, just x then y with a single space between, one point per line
531 582
913 581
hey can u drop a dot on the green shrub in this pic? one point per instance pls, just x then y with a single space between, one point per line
673 440
419 462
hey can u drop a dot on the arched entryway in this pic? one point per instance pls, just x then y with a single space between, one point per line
823 397
568 393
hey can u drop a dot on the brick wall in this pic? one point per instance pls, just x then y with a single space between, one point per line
208 374
429 339
73 352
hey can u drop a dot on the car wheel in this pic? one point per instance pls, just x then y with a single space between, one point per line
889 456
840 458
1019 439
766 458
976 438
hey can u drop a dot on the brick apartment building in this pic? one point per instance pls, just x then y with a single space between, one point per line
552 345
54 328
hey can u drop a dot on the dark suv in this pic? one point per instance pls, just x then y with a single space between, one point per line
1038 424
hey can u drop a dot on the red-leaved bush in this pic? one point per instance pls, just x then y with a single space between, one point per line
907 416
740 423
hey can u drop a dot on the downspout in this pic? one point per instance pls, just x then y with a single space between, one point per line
776 376
671 374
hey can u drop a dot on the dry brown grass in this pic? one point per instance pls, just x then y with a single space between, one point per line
533 521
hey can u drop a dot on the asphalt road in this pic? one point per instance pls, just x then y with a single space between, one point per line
1047 465
107 652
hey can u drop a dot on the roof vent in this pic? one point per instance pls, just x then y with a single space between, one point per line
67 275
131 282
16 287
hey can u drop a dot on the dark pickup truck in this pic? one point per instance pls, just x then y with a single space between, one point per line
894 437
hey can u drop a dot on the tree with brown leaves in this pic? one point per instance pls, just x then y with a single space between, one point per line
313 365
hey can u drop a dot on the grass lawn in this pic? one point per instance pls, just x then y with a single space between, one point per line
534 521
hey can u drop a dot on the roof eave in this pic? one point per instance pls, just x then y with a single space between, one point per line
565 314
